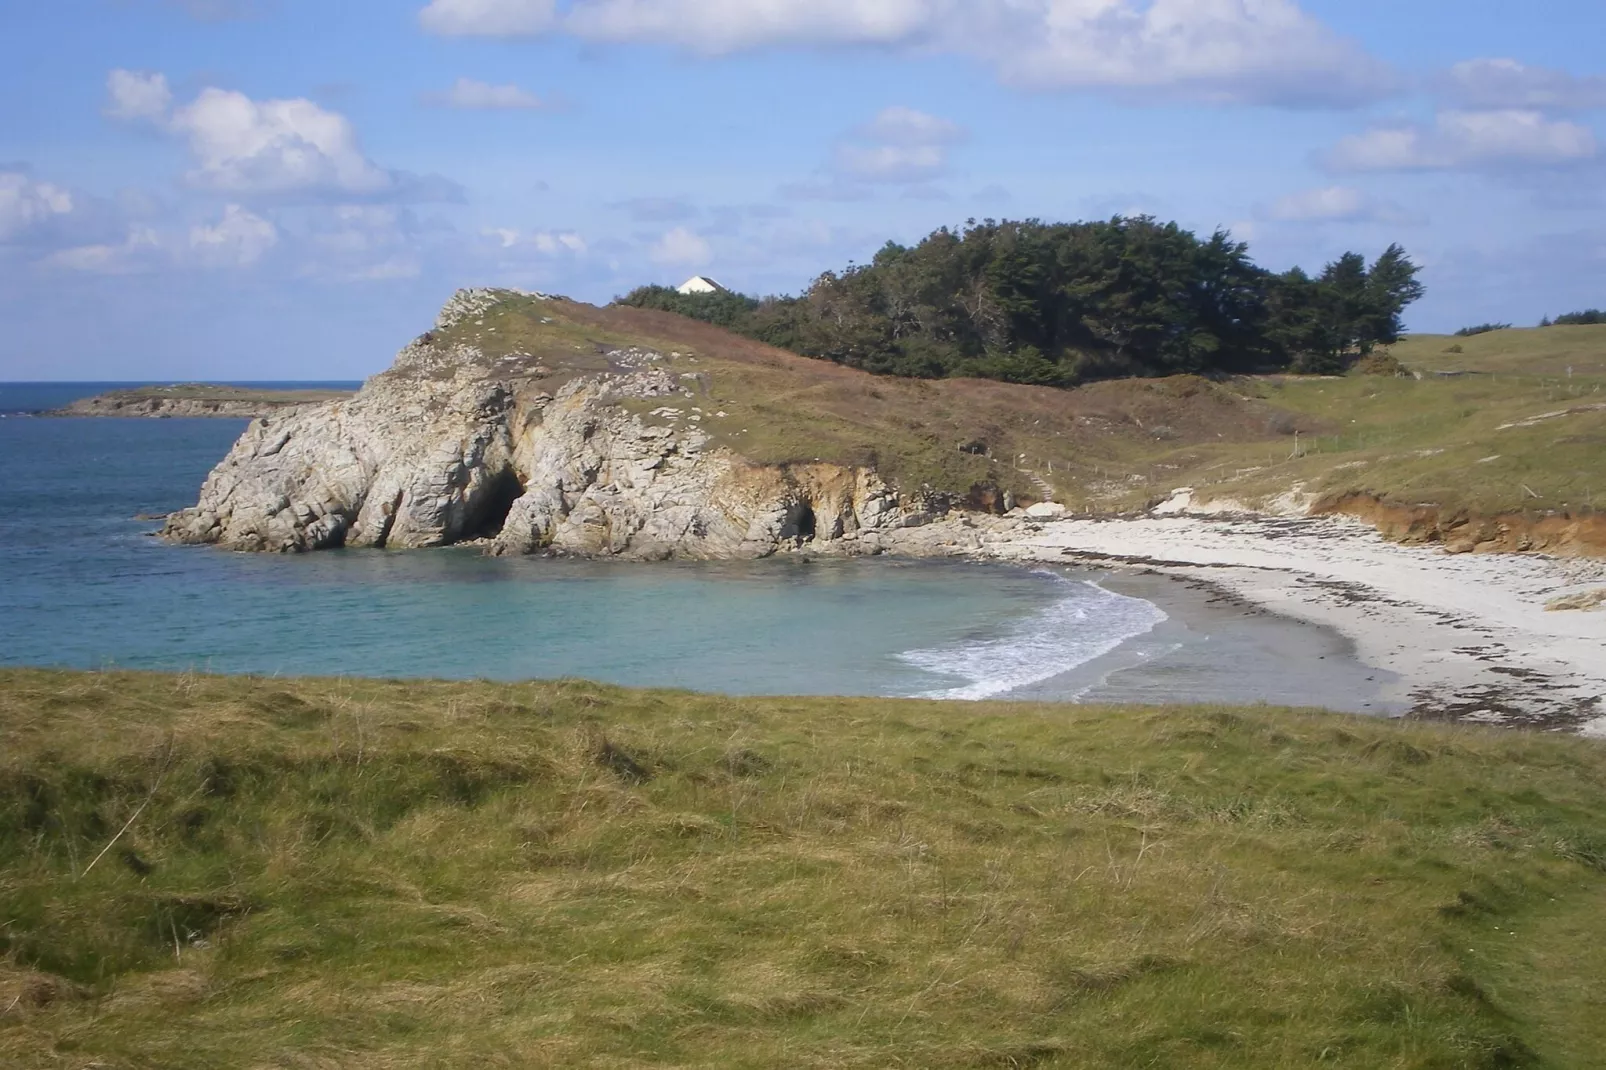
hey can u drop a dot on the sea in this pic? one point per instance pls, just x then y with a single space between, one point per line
85 584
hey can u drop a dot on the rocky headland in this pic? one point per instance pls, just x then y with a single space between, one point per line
600 455
197 400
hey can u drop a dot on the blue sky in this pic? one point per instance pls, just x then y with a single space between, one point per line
284 189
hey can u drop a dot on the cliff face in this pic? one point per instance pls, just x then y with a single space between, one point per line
451 446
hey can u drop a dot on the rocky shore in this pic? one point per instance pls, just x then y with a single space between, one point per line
451 445
197 400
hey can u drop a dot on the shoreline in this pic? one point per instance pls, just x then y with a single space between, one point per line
1214 637
1466 637
196 400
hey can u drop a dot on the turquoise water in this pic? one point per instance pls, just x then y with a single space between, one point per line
82 584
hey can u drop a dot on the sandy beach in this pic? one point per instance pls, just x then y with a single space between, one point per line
1464 637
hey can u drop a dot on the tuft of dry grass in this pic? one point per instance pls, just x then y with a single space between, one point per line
345 873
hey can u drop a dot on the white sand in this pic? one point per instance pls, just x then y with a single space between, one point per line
1469 635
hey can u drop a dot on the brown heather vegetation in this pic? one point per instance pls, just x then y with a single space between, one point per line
204 872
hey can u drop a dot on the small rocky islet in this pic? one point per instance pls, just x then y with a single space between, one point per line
193 400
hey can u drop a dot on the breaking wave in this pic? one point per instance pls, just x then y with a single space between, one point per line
1087 623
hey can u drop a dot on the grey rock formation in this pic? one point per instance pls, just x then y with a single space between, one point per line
451 446
194 401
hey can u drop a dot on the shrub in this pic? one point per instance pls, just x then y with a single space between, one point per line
723 308
1482 328
1383 363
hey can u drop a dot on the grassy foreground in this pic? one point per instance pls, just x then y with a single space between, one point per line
372 874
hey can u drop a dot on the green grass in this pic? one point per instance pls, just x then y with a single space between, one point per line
1542 352
371 874
1460 444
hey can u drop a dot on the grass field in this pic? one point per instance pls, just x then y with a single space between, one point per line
204 872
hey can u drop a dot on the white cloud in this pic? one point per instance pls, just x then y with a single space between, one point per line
1334 204
361 231
891 163
556 243
898 125
136 95
363 243
545 242
244 146
1223 50
137 252
899 145
1219 50
273 146
25 204
490 18
469 94
239 239
681 246
1506 83
718 26
1468 139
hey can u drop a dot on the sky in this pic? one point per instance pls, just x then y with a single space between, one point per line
289 189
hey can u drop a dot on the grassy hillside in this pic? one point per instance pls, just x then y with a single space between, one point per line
1464 442
1547 352
202 872
1514 422
775 407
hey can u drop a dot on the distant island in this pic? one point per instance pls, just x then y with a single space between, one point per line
198 399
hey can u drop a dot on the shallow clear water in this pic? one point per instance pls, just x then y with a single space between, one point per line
83 585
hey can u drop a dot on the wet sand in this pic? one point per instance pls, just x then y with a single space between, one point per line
1218 648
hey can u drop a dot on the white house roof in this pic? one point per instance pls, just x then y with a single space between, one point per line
701 284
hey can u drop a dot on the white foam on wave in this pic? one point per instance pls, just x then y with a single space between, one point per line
1087 623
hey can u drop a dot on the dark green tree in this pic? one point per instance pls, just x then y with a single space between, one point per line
1061 303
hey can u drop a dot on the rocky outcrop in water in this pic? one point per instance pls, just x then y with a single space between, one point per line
452 446
199 400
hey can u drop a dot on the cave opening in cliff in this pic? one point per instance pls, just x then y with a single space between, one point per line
497 503
806 525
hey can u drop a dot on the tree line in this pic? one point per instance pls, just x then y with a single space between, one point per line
1064 303
1587 317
